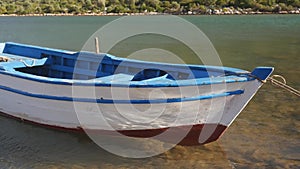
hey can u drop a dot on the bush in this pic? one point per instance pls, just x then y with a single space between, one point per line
120 6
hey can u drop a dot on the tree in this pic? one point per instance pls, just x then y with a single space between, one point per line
296 3
11 9
3 10
38 10
221 3
48 8
88 5
175 6
245 3
101 3
168 6
73 9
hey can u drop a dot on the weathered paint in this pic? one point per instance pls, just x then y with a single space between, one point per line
205 106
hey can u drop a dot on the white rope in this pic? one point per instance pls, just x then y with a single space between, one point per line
283 84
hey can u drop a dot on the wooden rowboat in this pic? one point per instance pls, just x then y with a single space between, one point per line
84 90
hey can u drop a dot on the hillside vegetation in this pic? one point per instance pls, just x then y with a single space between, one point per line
22 7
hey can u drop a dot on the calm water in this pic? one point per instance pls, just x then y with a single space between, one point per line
265 135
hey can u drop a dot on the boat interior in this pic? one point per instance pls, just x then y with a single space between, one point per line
87 65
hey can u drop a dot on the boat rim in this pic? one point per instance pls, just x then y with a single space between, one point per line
235 77
229 75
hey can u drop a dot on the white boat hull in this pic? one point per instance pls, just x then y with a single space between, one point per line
136 120
101 92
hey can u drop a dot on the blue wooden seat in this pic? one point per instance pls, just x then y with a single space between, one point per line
15 62
120 77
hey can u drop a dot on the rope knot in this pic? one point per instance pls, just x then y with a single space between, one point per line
282 84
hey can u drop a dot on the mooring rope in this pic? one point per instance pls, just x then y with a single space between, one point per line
273 81
282 84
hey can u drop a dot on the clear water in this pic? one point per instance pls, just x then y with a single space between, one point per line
265 135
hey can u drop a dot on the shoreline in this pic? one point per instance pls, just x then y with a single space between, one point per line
152 13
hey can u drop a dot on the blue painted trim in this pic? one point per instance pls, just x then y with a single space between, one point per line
109 101
131 84
139 84
21 64
262 73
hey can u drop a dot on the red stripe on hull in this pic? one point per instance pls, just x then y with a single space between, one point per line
191 138
214 131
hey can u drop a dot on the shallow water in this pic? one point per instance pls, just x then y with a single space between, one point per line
265 134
